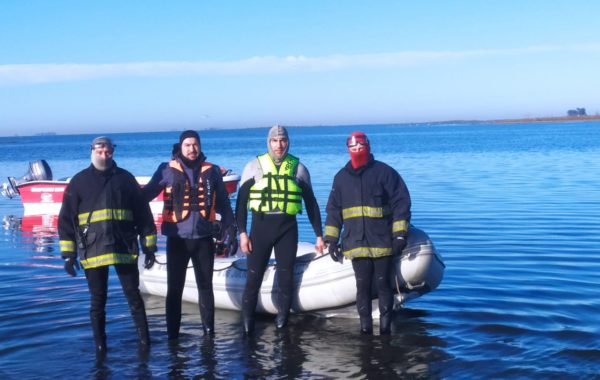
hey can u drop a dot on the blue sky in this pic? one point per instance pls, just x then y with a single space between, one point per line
107 66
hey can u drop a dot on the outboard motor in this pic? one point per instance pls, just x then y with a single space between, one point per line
38 171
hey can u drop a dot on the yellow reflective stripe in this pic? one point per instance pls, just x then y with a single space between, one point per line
150 240
106 214
332 231
359 211
67 245
367 252
109 259
400 226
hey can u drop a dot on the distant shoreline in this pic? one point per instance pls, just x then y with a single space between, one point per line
553 119
530 120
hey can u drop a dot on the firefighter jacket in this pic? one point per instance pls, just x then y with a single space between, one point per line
372 205
102 215
277 190
193 196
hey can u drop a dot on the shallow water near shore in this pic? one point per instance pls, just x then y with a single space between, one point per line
513 209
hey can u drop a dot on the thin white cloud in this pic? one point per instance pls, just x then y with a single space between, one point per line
19 74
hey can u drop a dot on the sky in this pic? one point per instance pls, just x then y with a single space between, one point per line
71 66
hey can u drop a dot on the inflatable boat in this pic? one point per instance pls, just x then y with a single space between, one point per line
320 283
40 194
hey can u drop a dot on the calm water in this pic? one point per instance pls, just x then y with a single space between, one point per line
514 210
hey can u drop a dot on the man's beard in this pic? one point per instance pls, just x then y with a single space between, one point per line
100 163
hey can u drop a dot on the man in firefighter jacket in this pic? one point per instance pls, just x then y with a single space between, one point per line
370 201
273 186
101 216
194 193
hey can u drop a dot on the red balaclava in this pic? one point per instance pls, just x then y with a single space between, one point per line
363 156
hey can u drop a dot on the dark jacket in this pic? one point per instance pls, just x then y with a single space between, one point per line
195 226
372 204
119 215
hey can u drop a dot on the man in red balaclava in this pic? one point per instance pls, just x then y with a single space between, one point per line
370 201
359 148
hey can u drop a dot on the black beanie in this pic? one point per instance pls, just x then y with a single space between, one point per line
187 134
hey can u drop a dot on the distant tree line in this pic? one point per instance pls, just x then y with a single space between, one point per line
577 112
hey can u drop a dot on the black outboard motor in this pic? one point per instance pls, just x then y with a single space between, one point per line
38 171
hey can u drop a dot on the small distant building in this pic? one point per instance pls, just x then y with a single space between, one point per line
577 112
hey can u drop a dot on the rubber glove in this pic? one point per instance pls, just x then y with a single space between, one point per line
335 252
70 265
398 244
149 260
216 229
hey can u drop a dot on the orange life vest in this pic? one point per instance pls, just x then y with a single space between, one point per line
181 197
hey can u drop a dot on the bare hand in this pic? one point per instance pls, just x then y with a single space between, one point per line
320 245
245 243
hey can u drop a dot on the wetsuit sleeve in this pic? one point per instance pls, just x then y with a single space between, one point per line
312 208
303 175
67 223
251 170
310 201
400 203
241 207
143 218
155 185
223 205
334 221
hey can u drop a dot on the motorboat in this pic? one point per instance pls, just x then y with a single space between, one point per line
40 194
319 282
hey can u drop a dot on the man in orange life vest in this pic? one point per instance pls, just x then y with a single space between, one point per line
194 193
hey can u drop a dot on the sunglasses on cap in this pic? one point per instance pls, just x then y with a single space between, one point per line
357 140
102 145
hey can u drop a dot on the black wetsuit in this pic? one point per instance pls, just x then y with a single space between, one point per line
279 231
273 230
201 252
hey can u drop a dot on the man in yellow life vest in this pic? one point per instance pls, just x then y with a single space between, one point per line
273 186
194 193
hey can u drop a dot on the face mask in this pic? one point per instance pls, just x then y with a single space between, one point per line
360 158
359 149
101 163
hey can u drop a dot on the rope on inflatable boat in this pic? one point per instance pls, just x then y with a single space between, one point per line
302 259
313 256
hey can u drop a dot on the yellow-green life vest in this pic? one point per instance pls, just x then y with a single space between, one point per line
276 191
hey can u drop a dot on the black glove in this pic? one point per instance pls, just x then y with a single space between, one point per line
216 229
335 252
149 260
398 244
70 265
